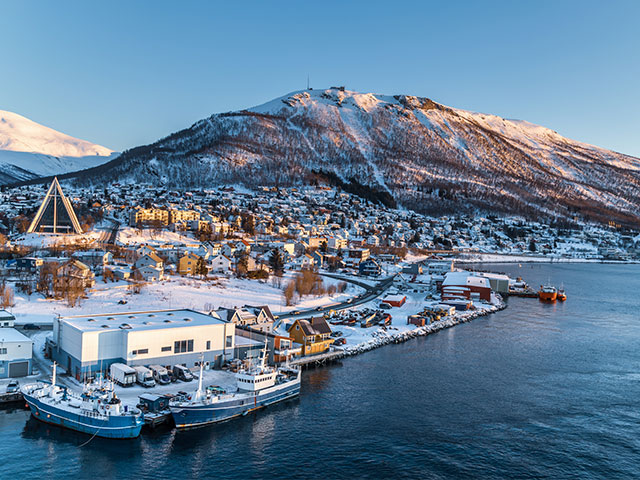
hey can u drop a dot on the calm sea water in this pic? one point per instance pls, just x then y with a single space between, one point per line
534 391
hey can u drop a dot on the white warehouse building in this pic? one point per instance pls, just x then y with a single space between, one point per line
15 353
89 343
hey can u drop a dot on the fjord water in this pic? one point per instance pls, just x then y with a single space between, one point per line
534 391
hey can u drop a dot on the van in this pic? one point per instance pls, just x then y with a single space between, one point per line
160 374
144 377
182 373
122 374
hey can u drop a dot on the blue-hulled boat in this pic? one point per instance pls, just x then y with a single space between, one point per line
96 411
257 386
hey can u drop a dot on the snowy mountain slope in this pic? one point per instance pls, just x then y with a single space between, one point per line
30 150
432 158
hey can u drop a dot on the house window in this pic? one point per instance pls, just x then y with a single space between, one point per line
3 351
208 344
183 346
141 351
165 349
229 341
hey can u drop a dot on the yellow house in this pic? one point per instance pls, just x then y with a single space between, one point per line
314 335
188 263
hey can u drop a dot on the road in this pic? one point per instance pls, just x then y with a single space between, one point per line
108 237
372 291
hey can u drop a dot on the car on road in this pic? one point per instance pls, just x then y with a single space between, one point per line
13 387
30 326
350 300
295 312
319 309
122 302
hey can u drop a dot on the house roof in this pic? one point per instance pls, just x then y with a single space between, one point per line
317 326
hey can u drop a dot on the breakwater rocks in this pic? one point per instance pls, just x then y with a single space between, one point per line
382 337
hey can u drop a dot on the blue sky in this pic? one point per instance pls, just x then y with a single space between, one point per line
123 74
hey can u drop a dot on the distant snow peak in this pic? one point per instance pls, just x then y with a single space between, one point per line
19 134
29 150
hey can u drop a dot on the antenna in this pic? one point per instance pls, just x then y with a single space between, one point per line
307 81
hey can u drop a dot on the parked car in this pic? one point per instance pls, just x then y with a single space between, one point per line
172 377
182 373
122 302
30 326
385 306
160 374
340 341
13 387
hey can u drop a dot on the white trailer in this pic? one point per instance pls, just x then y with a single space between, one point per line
144 376
123 374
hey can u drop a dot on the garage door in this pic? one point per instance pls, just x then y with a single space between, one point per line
18 369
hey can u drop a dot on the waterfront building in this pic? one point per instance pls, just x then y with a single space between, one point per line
314 335
16 352
465 285
90 343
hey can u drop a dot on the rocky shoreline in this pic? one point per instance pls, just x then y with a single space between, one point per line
383 338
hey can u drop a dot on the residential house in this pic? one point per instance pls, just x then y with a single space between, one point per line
314 335
188 264
75 272
149 260
221 264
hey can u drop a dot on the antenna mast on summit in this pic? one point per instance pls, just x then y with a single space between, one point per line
307 81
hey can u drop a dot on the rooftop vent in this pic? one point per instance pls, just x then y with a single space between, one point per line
151 315
169 314
187 319
132 316
91 320
167 321
110 318
105 326
146 323
125 326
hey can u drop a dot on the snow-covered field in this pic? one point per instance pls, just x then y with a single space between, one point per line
134 236
177 292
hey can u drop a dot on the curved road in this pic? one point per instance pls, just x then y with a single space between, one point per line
372 291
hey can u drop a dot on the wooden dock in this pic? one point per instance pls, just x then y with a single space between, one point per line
529 293
11 398
152 420
318 360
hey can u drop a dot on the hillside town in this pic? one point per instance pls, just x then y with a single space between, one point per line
161 280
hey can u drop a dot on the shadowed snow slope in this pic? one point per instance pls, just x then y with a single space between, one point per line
29 150
422 154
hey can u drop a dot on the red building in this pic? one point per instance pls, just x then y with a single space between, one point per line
466 285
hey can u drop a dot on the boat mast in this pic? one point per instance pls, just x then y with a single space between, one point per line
198 394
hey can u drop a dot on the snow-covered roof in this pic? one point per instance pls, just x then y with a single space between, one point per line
149 320
13 335
465 278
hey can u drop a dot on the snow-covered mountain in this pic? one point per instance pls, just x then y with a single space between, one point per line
411 150
29 150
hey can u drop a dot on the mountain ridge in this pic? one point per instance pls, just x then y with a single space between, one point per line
430 157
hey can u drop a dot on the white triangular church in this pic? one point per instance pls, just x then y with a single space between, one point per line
56 214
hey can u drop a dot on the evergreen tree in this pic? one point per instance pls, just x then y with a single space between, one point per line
277 262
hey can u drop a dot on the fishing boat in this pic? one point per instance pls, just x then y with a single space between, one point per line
562 296
96 411
258 385
548 293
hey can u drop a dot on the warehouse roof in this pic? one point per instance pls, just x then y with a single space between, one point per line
13 335
149 320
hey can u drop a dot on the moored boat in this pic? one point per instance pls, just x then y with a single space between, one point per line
96 411
548 293
562 296
257 386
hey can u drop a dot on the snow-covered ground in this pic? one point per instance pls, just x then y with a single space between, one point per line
134 236
177 292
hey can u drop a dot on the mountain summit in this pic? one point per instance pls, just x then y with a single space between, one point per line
400 149
29 150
